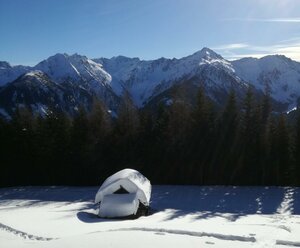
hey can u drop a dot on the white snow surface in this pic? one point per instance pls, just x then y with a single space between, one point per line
118 205
131 180
182 216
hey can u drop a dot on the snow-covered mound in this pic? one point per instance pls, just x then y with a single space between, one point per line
130 180
118 205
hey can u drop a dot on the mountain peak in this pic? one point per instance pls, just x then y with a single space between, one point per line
206 52
124 59
59 55
277 57
77 56
65 56
4 65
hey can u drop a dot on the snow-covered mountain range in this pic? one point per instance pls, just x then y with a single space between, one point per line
66 82
146 79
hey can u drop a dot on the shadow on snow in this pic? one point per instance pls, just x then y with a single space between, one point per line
200 201
206 201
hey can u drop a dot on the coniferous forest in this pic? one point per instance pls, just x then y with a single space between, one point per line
242 143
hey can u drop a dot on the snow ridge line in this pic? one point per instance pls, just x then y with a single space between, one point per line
23 235
289 243
189 233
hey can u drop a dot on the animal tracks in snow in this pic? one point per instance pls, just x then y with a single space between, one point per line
189 233
289 243
23 235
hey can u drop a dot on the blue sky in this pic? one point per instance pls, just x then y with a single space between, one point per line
33 30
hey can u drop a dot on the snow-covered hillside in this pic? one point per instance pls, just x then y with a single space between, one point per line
279 73
36 90
182 216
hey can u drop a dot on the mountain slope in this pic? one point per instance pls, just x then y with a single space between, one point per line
75 74
10 73
62 67
39 93
81 71
278 73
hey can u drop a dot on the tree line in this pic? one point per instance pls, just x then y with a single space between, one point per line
243 143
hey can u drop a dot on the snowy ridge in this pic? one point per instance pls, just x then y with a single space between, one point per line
33 73
288 243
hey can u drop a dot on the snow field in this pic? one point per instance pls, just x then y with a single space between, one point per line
183 216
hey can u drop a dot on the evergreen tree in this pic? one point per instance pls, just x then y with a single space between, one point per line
53 138
297 153
226 143
80 147
247 167
99 128
177 135
22 145
5 153
157 153
125 133
202 130
283 169
266 109
178 143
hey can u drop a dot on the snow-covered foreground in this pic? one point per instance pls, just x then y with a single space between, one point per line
183 216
